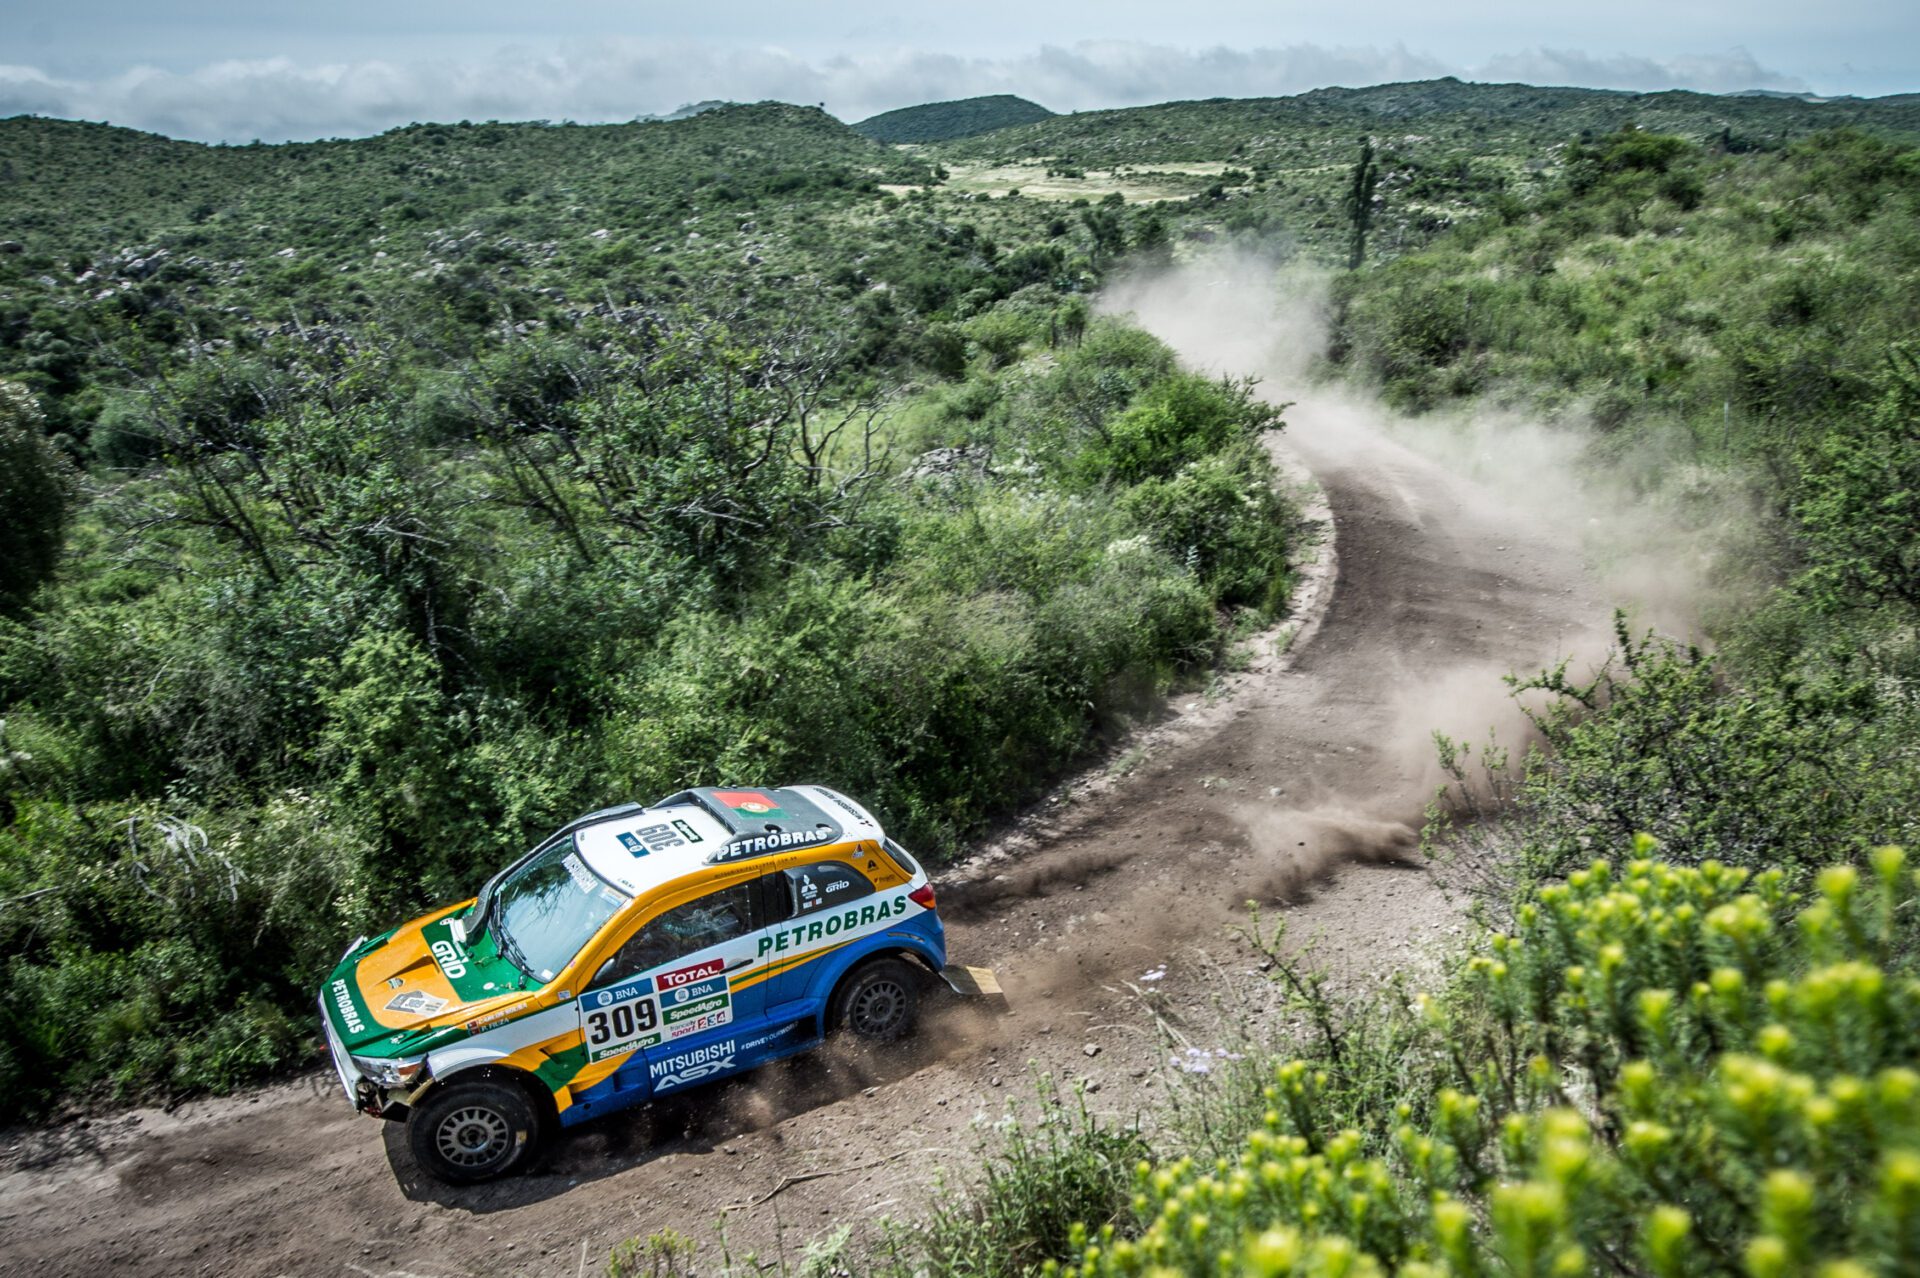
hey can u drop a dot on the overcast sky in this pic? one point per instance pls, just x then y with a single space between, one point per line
234 70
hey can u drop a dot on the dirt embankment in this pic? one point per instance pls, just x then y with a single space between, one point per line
1297 784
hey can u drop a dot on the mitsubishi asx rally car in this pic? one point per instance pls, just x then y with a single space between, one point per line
638 951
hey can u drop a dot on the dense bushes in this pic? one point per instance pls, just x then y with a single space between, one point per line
1858 507
1774 769
1221 516
1033 1195
35 490
1660 1069
1743 297
347 655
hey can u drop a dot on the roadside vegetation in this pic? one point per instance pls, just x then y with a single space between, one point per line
1653 1069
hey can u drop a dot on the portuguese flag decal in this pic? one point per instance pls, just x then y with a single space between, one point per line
751 802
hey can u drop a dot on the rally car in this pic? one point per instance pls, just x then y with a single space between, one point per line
640 950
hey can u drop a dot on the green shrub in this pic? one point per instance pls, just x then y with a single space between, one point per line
36 489
999 333
1044 1177
1659 1069
1176 420
1661 740
149 953
1859 506
1222 517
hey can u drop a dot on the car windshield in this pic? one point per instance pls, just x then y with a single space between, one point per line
548 908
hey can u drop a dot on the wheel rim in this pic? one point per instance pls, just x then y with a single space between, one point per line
878 1008
473 1137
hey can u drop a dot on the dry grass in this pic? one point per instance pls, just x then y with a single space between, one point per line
1029 177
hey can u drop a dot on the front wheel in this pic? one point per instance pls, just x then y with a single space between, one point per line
879 1002
468 1132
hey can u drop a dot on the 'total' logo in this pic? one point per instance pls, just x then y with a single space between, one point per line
688 975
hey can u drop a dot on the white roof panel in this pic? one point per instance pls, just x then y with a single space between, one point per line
642 850
639 851
855 822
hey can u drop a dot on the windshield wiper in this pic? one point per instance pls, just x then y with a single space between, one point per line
507 946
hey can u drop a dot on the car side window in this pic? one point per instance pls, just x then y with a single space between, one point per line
687 927
825 885
902 858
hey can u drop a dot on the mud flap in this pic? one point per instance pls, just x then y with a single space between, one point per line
976 983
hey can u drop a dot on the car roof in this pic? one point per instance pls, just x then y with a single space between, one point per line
639 849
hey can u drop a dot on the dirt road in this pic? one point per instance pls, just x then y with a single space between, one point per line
1300 767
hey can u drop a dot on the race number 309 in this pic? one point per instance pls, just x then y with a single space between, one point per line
612 1029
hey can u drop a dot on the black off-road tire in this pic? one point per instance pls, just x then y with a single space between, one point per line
469 1132
879 1002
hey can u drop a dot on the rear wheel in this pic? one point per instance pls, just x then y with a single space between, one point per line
879 1002
467 1132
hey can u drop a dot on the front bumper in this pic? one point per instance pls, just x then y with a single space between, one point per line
350 1080
362 1092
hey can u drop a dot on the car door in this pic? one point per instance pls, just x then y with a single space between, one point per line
795 898
678 985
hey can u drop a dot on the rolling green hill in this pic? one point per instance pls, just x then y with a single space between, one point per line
946 121
74 184
454 228
1490 118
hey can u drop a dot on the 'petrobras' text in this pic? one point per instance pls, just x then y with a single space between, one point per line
847 920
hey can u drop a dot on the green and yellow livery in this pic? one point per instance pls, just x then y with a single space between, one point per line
639 950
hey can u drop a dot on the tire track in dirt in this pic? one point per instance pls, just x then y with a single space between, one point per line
1297 788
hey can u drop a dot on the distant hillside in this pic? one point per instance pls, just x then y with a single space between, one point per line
685 112
1482 118
68 187
455 227
946 121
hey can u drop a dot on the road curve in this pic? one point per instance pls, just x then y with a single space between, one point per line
1292 788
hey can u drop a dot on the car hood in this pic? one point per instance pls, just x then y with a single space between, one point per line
393 992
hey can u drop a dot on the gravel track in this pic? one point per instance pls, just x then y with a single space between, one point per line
1295 784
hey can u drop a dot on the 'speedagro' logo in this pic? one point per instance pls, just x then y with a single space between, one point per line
450 959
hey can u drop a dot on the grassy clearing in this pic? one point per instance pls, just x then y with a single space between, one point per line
1042 179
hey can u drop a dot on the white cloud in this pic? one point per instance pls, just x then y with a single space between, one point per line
1727 73
277 99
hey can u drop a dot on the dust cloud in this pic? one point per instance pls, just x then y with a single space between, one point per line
1531 501
1297 847
1242 314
